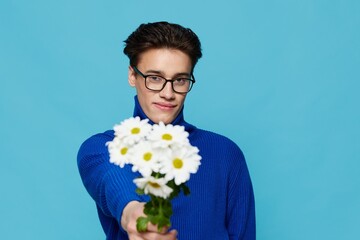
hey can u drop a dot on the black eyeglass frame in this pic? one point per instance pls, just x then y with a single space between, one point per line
192 81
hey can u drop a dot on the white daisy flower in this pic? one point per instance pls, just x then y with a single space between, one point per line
144 158
168 135
182 162
119 152
132 130
154 186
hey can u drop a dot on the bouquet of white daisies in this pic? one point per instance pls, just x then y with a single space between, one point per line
164 158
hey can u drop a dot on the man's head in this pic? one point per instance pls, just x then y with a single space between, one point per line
162 35
158 52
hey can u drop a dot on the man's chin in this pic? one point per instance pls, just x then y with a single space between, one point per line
165 119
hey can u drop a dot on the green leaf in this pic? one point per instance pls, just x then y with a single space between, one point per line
175 188
140 191
186 189
141 224
151 209
167 209
163 222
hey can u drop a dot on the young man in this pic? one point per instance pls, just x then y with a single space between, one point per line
221 204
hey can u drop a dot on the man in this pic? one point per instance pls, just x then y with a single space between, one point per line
221 204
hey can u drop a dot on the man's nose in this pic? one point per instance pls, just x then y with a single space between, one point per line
167 92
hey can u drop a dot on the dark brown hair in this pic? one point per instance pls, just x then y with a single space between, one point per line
162 35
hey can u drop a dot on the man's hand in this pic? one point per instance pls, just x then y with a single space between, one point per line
130 214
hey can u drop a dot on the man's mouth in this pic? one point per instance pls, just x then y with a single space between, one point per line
165 106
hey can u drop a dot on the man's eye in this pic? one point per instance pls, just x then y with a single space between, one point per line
180 81
155 78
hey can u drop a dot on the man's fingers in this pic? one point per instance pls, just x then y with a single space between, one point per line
174 233
158 236
154 228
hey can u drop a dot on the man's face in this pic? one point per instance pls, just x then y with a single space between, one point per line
166 104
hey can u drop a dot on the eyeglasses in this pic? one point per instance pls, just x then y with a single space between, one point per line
157 83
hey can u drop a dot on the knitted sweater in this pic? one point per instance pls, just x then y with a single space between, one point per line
219 207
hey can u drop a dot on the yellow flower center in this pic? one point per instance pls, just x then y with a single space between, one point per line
135 130
124 150
147 156
154 185
167 137
178 163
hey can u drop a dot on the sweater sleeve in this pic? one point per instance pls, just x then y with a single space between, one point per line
110 186
241 205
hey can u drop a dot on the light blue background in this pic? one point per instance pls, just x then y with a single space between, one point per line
280 78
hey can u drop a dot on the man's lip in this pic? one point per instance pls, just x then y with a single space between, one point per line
165 105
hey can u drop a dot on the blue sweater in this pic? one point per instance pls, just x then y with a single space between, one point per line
219 207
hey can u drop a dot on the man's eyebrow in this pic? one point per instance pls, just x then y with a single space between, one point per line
161 73
154 72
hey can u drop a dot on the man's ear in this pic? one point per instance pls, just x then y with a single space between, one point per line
131 77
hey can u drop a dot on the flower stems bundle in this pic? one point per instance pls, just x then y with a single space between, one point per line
163 156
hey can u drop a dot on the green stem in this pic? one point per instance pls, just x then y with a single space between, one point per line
160 207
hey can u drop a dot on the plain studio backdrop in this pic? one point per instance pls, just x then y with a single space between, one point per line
278 77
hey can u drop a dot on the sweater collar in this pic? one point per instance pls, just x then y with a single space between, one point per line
179 120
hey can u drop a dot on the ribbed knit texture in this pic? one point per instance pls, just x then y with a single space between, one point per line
221 203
